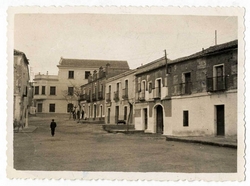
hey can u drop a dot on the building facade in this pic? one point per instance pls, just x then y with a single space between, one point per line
60 93
190 96
120 98
22 88
92 99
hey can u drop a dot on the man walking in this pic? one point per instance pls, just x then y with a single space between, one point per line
53 127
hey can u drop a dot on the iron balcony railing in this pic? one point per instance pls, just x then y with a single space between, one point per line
116 95
94 97
141 95
218 83
88 98
125 93
108 97
100 95
157 92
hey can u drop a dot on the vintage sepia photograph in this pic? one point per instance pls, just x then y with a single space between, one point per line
126 92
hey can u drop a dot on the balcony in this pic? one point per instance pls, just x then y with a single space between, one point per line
125 93
185 88
94 97
157 93
216 84
100 95
82 97
108 97
116 95
88 98
141 95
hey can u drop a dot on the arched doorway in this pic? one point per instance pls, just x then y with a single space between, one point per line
159 119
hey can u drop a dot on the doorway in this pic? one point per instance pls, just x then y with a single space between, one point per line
220 118
159 119
39 107
145 118
116 114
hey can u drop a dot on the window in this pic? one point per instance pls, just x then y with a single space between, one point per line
71 74
125 113
43 90
69 107
87 73
36 90
185 118
52 107
52 90
70 91
150 87
187 83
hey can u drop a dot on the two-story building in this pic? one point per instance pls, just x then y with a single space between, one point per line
60 93
120 98
92 99
190 96
22 88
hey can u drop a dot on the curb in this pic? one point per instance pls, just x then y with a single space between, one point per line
202 142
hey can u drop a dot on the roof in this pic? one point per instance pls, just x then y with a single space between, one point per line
121 75
92 63
17 52
211 50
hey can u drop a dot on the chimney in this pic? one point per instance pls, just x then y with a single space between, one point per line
95 75
101 72
47 73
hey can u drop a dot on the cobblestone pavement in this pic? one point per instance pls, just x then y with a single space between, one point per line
86 147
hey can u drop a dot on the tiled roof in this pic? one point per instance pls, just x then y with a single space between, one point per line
162 62
91 63
208 51
17 52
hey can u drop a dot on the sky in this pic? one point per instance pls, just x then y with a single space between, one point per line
138 39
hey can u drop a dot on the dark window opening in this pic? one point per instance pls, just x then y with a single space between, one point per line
185 118
70 91
36 90
52 107
87 73
43 90
69 107
71 75
52 90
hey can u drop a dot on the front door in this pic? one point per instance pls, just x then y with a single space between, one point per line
116 114
220 120
108 115
39 107
94 112
145 112
159 120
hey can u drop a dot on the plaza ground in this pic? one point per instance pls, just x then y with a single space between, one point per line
87 147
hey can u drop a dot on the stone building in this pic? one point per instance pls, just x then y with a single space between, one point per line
120 98
190 96
92 99
22 88
60 93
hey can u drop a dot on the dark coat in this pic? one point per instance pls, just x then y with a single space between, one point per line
53 125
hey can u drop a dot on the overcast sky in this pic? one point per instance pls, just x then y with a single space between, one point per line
139 39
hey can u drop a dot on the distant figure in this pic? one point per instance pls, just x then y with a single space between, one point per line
78 114
53 127
82 114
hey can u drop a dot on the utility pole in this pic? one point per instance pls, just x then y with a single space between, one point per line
166 60
215 37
